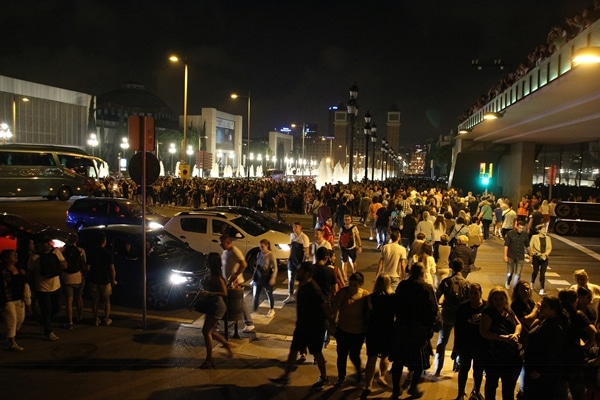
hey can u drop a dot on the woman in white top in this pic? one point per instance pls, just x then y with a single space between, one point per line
425 256
425 226
441 256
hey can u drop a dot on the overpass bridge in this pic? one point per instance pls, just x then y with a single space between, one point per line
556 105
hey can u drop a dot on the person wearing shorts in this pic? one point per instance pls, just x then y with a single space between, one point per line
102 277
312 311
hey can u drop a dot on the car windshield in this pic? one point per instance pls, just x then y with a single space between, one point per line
161 243
250 227
23 224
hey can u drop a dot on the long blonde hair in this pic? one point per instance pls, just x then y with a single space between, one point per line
383 284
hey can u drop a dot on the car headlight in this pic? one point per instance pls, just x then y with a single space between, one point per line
177 279
154 225
283 247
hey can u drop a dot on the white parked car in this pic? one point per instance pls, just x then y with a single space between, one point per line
202 230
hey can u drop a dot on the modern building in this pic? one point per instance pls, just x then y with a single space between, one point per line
42 114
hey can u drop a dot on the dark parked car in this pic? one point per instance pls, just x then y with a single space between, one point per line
17 231
263 219
94 211
173 270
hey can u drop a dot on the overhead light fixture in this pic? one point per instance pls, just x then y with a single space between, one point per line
492 115
587 55
464 130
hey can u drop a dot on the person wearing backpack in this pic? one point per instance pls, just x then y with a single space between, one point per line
72 278
45 267
455 290
350 246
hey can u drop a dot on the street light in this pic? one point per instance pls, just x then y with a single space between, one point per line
172 150
236 96
175 59
93 142
14 111
384 149
190 152
5 132
374 140
352 113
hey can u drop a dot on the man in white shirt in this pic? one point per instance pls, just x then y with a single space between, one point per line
318 243
233 265
299 252
393 260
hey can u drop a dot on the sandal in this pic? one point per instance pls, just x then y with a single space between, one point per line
207 364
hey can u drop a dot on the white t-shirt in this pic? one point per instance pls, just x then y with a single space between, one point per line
392 254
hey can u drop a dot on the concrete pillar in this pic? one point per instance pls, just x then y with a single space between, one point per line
516 169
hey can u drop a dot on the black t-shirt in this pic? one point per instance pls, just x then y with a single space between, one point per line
324 276
383 217
309 308
466 328
99 266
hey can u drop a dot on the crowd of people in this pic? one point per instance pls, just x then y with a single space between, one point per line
557 37
428 239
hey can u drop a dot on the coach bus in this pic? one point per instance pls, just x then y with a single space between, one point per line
48 171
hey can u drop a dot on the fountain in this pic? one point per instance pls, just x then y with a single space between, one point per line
214 172
228 171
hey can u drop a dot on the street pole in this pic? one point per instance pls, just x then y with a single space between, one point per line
367 133
352 112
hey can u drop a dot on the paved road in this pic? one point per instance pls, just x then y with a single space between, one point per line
160 362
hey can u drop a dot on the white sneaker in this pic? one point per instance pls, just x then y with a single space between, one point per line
507 285
371 238
270 313
542 292
248 328
289 299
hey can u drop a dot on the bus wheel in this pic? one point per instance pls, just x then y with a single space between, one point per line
64 193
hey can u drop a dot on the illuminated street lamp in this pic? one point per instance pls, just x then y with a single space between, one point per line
172 150
5 132
236 96
175 59
190 152
374 141
93 142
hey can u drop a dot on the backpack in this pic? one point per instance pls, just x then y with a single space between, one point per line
49 265
397 220
75 261
281 202
459 292
347 238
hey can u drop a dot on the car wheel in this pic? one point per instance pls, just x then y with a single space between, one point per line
251 260
158 295
64 193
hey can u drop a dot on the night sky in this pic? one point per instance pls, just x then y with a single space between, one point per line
296 58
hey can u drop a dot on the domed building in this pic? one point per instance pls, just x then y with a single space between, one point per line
113 110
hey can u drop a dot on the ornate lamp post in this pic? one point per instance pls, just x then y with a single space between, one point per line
374 140
367 132
352 113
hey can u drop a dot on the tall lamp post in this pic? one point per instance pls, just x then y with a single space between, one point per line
374 140
367 132
236 96
352 113
384 151
175 58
